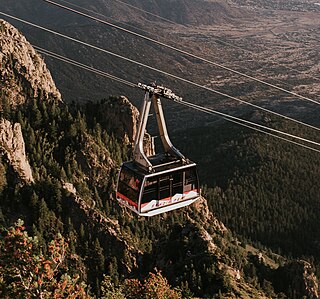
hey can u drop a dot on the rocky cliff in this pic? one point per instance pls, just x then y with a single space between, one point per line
299 280
120 117
23 73
13 147
23 77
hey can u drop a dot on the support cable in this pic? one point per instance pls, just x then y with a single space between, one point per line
213 112
182 51
84 66
233 119
248 123
216 38
158 70
100 14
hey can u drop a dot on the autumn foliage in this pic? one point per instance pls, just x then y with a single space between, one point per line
25 272
154 286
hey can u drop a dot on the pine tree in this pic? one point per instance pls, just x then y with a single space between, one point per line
113 270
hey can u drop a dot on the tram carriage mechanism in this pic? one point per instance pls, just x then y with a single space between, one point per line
151 185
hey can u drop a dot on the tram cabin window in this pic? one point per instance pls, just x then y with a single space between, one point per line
190 180
177 182
129 184
150 190
164 184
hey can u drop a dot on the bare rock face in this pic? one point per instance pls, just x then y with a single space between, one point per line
298 277
13 146
23 73
95 161
123 118
207 216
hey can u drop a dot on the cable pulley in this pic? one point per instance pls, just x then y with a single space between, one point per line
160 91
167 93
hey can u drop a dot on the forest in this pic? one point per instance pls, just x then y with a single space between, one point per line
89 246
55 135
263 189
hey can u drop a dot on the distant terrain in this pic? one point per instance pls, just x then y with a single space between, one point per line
273 42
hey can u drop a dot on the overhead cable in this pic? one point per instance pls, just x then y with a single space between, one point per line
181 51
159 71
216 38
150 33
84 66
250 123
73 62
144 11
100 14
233 119
213 112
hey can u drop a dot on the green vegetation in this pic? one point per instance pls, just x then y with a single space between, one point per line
25 272
264 189
60 141
119 255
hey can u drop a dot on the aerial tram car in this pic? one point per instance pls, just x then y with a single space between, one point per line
151 185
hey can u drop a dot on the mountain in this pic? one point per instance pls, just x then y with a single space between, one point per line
23 72
74 152
179 11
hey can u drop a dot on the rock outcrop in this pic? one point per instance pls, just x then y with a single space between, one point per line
12 145
23 73
122 120
95 160
298 280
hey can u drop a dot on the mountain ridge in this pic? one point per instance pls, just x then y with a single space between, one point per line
21 63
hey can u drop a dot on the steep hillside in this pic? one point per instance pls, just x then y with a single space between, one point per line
186 12
24 75
264 189
74 152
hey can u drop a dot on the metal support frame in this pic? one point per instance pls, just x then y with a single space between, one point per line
153 94
167 145
138 153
